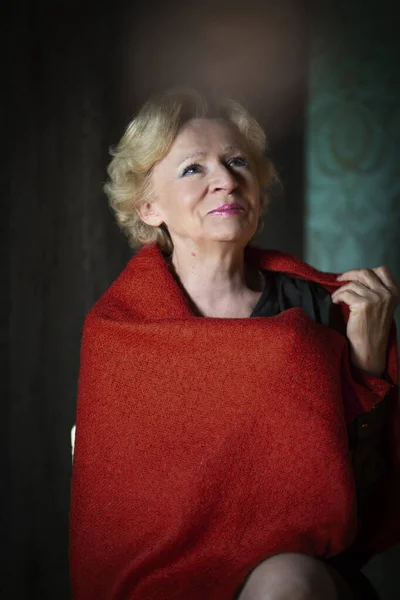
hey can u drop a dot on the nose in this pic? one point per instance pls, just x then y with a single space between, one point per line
223 179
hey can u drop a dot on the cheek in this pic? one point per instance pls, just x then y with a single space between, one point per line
182 204
255 192
190 195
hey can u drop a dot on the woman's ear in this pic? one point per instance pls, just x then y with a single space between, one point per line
149 214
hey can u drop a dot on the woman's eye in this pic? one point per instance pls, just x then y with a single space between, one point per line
239 161
191 169
236 161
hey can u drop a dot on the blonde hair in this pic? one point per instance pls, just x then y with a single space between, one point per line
147 140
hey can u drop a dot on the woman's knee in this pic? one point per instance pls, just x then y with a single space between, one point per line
293 576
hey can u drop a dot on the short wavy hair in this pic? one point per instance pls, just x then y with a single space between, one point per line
147 140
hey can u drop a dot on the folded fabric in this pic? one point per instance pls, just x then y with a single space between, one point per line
204 446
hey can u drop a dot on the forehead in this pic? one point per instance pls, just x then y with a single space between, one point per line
205 134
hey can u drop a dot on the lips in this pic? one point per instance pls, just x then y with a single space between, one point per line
227 207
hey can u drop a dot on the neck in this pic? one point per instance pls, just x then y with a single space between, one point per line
217 283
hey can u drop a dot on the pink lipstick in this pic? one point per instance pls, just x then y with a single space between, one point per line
227 209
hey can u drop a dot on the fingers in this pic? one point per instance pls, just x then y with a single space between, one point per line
351 297
386 276
379 279
358 288
368 277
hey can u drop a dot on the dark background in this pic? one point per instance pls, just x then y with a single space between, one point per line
77 74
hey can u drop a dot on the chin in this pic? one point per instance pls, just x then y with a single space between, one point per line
239 239
234 234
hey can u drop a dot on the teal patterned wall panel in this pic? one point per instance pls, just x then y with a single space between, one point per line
353 140
352 194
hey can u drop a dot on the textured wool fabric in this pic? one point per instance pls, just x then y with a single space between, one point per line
204 446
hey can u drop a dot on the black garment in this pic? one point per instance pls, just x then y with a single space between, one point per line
282 292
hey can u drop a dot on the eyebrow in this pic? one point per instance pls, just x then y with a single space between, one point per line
203 153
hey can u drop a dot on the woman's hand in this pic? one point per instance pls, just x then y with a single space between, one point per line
372 296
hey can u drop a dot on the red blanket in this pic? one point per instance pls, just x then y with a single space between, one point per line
203 446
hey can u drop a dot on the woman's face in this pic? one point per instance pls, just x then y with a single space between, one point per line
208 166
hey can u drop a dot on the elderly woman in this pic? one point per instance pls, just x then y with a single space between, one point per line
237 424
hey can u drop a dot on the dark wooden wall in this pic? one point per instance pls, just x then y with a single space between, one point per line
76 75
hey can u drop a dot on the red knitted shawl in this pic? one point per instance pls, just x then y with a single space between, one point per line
204 446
